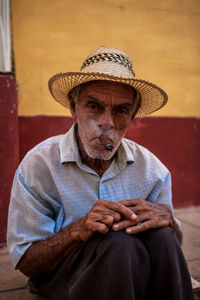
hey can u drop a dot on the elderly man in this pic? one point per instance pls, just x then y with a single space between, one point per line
91 215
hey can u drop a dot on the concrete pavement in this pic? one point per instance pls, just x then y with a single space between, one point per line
12 282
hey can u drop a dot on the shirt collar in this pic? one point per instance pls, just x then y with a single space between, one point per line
128 151
69 149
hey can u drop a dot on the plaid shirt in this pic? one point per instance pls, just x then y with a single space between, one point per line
52 188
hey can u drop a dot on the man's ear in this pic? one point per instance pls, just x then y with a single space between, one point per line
138 105
133 115
73 108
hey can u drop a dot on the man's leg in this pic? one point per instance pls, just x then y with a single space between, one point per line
119 269
113 266
119 266
170 278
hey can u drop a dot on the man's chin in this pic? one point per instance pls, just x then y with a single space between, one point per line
103 154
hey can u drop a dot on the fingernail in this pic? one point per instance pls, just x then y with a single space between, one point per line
128 230
133 217
115 226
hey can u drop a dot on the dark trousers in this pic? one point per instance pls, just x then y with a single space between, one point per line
118 266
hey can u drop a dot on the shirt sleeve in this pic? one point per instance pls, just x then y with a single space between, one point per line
30 219
162 194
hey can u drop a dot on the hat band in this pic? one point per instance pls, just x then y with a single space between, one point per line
111 57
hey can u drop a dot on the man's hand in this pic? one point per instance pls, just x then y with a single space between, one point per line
149 215
51 252
102 216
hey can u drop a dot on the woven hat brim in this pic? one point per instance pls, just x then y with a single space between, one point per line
152 97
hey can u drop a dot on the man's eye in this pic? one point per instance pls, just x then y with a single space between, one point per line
122 111
92 105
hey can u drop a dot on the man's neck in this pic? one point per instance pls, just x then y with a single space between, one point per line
98 165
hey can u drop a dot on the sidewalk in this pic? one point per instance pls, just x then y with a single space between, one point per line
12 283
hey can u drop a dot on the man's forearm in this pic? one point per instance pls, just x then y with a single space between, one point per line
45 256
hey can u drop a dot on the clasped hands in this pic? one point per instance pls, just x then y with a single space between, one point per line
124 215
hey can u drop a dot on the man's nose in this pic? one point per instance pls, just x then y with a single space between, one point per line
105 120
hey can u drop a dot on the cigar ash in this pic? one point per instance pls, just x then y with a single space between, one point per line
106 142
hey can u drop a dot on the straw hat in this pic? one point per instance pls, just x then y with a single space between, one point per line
108 64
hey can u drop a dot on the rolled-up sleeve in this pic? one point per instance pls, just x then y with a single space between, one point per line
29 219
162 194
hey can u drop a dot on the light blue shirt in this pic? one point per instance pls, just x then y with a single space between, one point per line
52 188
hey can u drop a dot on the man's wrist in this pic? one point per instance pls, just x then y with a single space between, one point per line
74 231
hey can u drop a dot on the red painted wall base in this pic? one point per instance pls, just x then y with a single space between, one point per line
9 147
175 141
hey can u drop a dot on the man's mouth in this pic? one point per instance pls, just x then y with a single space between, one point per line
107 143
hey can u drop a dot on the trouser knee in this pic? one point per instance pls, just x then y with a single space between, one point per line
122 247
161 238
162 245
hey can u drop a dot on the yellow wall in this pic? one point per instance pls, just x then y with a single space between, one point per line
161 36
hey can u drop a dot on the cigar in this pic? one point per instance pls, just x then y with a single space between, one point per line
106 142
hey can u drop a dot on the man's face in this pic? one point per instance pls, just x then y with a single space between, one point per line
103 108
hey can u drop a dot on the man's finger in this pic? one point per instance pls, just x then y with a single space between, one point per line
122 225
103 211
146 226
108 220
127 223
122 209
131 202
95 226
